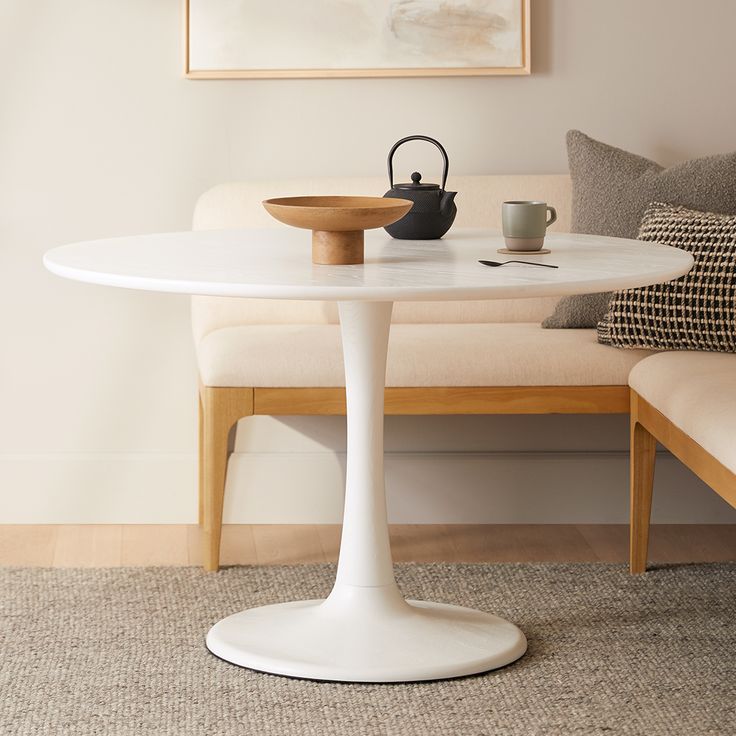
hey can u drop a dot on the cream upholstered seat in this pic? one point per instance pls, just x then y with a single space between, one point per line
697 393
274 356
687 401
471 354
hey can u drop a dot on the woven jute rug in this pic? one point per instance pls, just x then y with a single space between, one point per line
121 651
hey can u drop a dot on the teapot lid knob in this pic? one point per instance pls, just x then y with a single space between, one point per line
416 177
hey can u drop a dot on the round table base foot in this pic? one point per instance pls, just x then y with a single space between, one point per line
422 641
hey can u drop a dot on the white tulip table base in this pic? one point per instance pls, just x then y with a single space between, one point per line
364 631
366 635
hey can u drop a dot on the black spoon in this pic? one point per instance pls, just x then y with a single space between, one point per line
503 263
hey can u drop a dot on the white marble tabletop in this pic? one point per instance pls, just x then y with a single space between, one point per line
276 263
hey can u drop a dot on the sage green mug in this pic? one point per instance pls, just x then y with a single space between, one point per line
525 224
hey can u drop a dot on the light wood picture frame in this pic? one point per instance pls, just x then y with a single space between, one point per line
259 39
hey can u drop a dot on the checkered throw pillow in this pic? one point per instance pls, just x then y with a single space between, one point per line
696 311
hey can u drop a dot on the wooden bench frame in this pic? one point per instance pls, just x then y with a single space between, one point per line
648 426
220 408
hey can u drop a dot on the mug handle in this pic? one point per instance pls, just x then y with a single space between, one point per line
552 216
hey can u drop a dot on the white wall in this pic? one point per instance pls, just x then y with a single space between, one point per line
100 136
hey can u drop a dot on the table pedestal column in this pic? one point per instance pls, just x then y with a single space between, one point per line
364 631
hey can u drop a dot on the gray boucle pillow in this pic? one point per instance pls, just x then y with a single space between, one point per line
578 311
611 190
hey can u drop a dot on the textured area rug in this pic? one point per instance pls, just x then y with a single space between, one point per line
121 651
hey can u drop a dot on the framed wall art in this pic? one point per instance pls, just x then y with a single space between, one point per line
227 39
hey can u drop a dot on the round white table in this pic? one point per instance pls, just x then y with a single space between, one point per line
364 631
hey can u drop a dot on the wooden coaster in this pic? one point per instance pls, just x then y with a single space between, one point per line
508 252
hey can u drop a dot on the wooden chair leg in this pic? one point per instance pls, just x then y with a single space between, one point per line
222 408
642 459
200 462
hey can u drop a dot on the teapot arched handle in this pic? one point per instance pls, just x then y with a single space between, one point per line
445 160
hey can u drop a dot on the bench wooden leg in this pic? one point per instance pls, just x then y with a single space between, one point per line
642 459
221 410
200 462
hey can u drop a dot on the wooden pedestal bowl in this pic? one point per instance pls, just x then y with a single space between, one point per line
337 223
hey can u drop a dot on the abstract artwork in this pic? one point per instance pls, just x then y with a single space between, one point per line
354 38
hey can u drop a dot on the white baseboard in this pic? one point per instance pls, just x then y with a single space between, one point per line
307 488
467 488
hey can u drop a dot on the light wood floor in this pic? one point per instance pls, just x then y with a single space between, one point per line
116 545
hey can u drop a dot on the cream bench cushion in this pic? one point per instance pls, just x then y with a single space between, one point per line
470 354
697 393
479 201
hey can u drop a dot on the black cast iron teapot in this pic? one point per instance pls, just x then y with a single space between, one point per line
434 208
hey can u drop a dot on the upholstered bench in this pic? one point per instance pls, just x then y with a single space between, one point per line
491 357
686 401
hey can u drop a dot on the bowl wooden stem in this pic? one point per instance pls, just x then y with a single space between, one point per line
331 248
